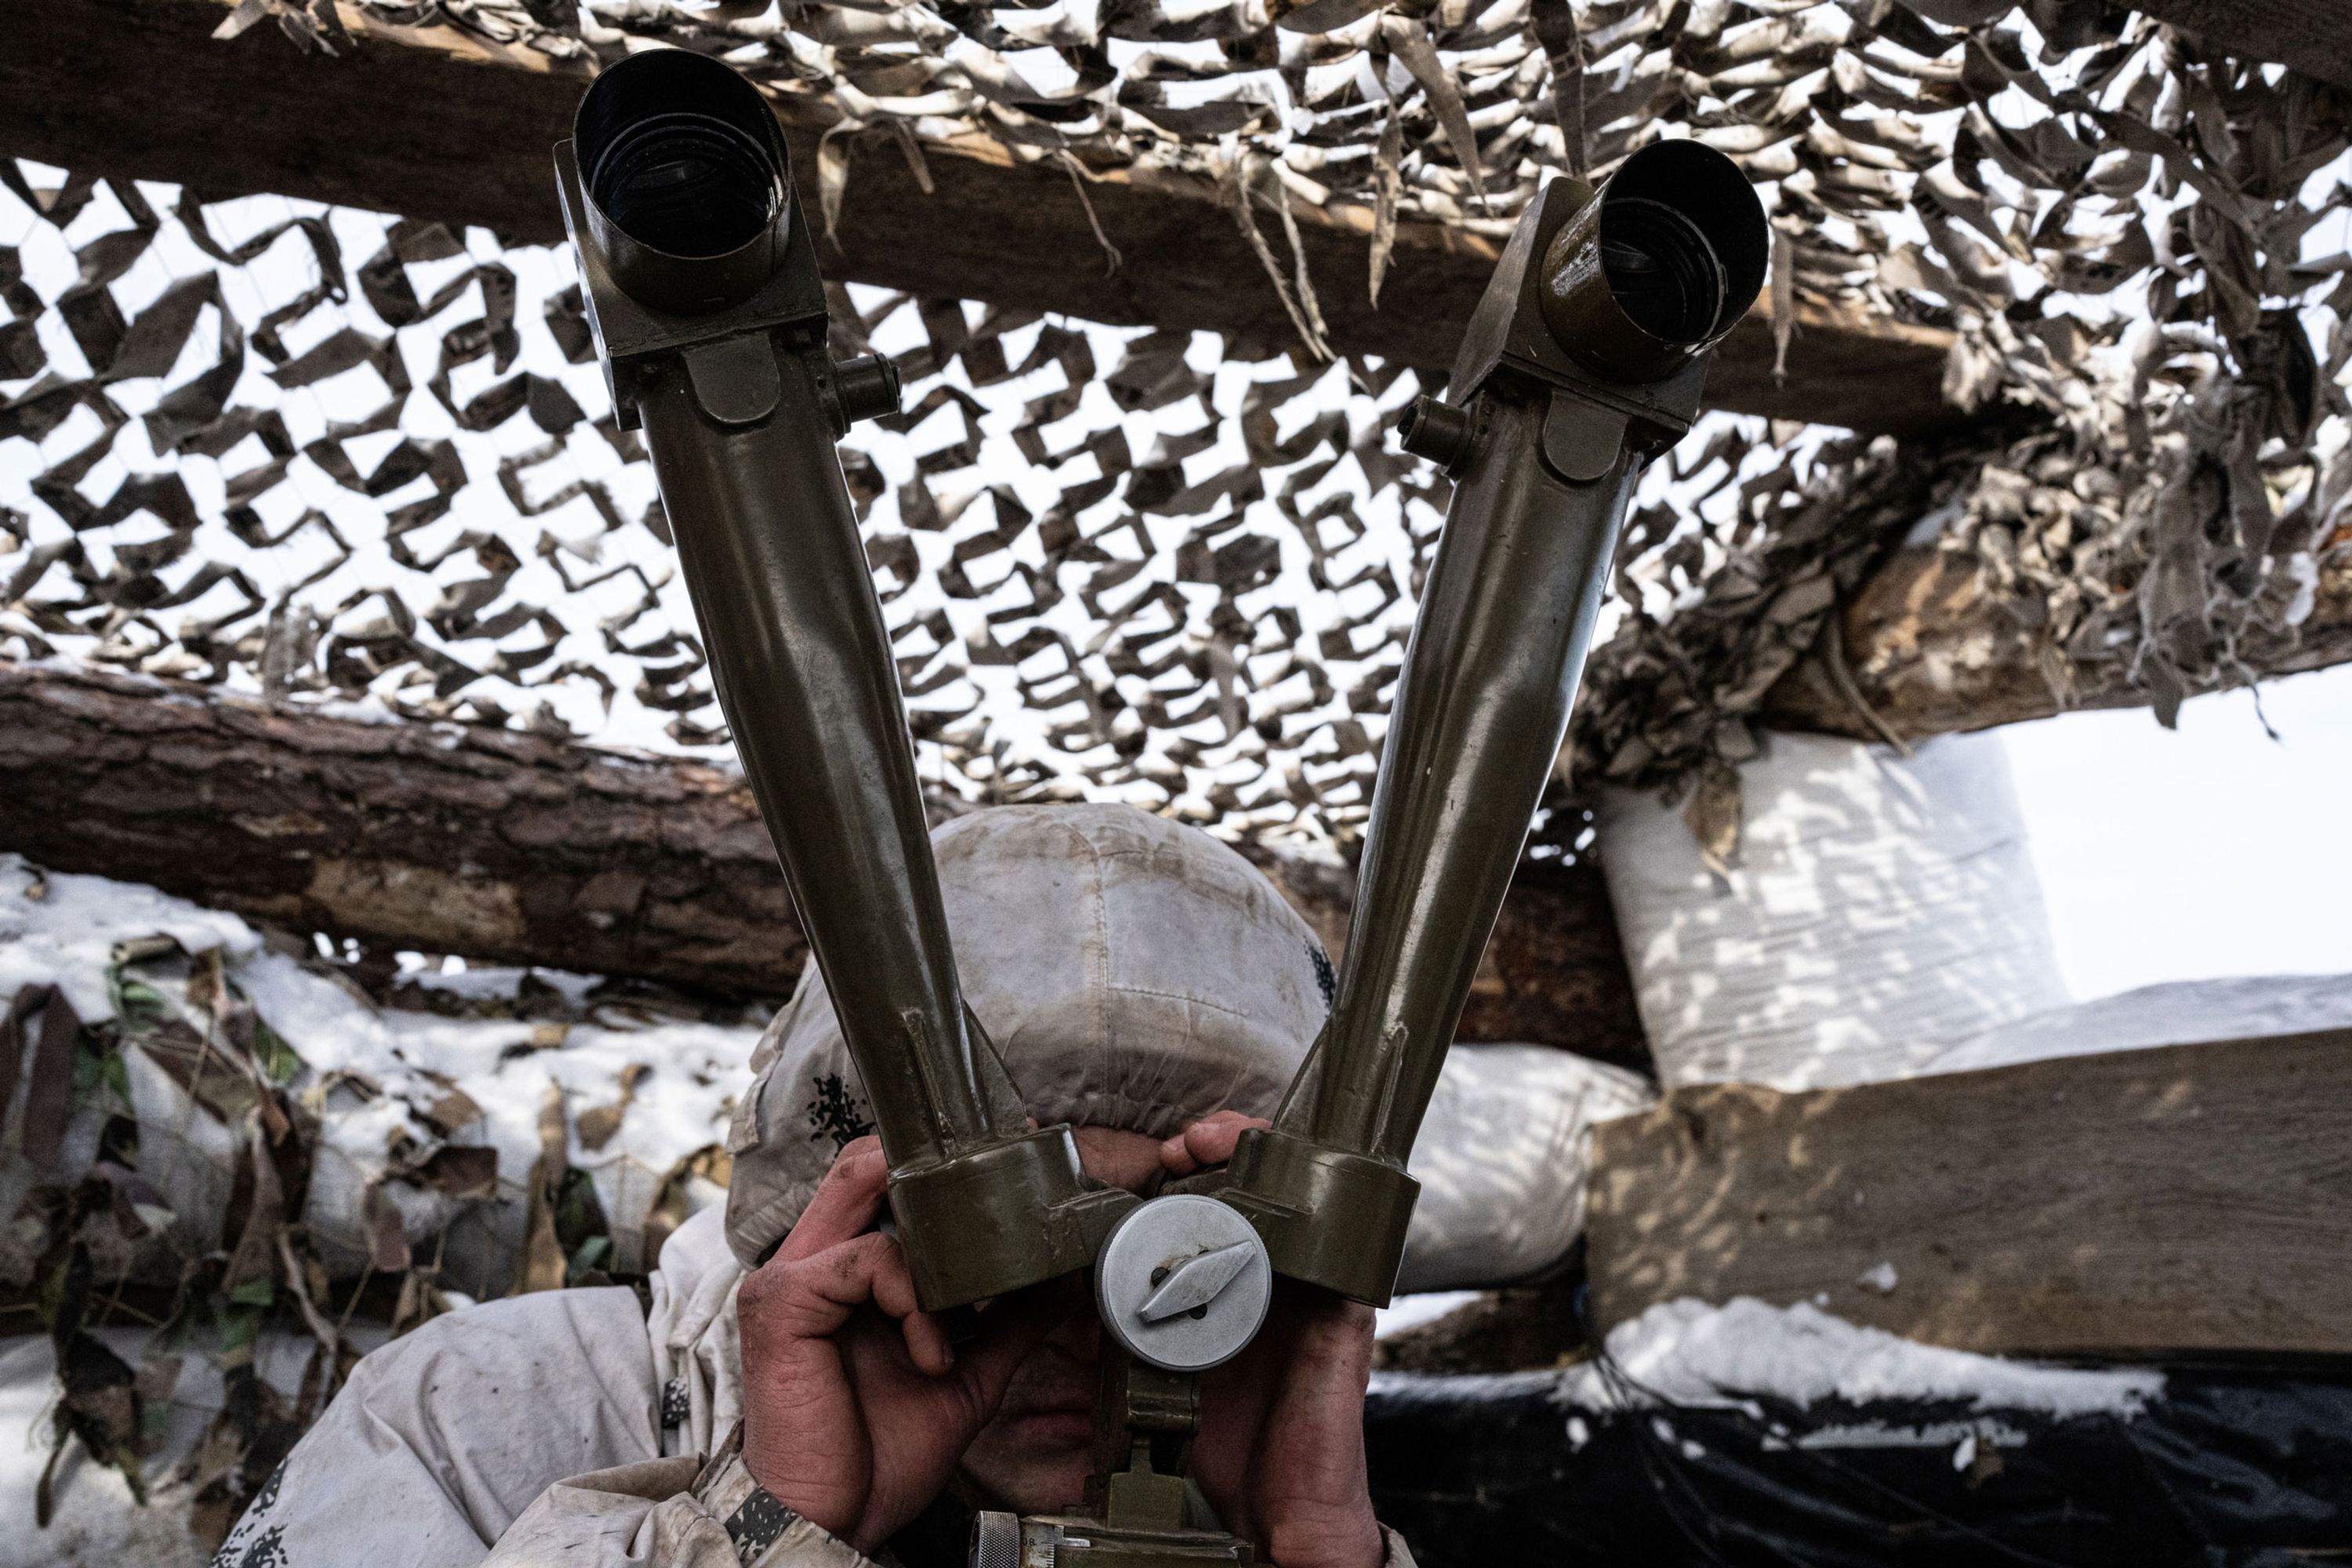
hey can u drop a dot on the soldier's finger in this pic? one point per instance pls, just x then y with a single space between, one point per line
816 1296
846 1203
1208 1142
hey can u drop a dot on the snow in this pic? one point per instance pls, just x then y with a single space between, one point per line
698 1072
405 1063
476 983
1682 1351
1413 1312
2179 1012
1502 1178
1688 1353
57 928
96 1524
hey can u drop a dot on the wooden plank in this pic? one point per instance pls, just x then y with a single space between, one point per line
2314 37
2189 1198
1932 653
515 848
429 123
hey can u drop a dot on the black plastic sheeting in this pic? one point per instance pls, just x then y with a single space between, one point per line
2224 1469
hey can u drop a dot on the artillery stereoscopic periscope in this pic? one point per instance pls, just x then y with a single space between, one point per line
1585 360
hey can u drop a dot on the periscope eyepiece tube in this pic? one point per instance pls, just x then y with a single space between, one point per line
701 284
1584 359
687 182
1662 263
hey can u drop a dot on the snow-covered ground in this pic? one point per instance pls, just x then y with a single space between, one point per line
1879 1389
97 1523
385 1078
1688 1352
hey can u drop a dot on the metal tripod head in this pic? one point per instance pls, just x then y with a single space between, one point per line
1584 359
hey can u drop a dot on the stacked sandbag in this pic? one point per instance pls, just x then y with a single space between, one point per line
1876 909
193 1112
420 1133
1503 1160
200 1127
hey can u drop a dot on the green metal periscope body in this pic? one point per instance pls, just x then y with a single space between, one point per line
1564 389
1585 359
719 357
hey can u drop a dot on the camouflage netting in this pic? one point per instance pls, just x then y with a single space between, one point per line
330 457
410 504
2157 345
336 458
268 1204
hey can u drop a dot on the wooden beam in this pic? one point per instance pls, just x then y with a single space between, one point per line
443 839
431 123
513 848
2187 1198
2314 37
1933 652
1514 1329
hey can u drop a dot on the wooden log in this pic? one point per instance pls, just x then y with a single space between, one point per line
2315 38
513 848
1554 970
1933 652
496 845
429 122
1516 1329
2187 1198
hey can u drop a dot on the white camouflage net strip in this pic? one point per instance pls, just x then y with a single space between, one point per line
1141 565
398 483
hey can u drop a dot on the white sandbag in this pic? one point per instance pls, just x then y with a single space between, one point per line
1881 909
2182 1013
1503 1159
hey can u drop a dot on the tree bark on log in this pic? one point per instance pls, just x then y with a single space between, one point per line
513 848
431 122
2315 39
500 846
1932 652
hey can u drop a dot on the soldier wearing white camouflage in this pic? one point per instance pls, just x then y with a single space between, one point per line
784 1404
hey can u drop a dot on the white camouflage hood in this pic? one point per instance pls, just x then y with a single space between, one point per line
1133 974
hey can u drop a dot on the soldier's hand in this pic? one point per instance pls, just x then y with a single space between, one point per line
855 1408
1280 1454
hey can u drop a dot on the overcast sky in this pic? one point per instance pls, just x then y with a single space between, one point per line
2207 851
